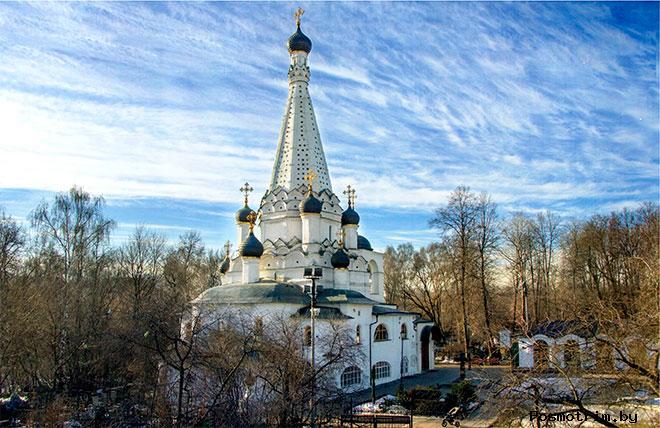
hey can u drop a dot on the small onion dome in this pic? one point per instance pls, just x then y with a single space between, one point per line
340 259
251 247
243 213
224 267
363 243
311 205
350 216
299 42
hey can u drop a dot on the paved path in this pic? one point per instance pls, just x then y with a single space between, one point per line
442 376
439 376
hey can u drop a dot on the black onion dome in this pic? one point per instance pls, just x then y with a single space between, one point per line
340 259
350 216
224 267
311 205
243 213
299 42
251 247
363 243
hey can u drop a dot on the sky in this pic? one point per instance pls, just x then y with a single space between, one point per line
166 109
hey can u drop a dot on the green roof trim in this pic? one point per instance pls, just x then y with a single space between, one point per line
269 291
325 313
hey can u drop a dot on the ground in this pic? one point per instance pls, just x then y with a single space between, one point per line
443 376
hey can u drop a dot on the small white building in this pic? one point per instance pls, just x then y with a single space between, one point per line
556 345
303 223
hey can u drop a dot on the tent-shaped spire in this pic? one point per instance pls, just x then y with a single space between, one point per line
299 147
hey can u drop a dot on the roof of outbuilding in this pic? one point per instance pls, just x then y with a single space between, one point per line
385 310
558 328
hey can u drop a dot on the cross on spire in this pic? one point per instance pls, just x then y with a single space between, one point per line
350 194
310 176
252 218
227 249
246 189
299 13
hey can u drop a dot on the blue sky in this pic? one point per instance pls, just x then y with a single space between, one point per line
167 108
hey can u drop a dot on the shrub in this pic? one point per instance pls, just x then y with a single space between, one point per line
461 394
429 408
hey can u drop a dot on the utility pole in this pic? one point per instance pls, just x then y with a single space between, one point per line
313 273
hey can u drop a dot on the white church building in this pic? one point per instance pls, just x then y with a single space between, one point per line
303 223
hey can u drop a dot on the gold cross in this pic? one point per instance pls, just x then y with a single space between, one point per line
299 12
340 234
310 176
350 194
246 189
252 218
227 248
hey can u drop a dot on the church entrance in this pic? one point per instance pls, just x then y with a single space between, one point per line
430 334
425 351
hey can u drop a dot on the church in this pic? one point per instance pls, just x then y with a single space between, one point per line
302 223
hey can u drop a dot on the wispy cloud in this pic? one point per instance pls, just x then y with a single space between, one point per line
551 105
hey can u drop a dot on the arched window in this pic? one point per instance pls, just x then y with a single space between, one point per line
404 365
381 333
351 376
372 269
572 354
371 276
357 335
404 331
541 355
307 336
382 369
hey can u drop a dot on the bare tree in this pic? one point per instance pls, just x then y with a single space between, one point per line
458 223
487 240
398 271
74 235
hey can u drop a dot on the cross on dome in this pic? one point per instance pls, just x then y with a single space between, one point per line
252 218
350 194
246 189
310 176
299 13
227 248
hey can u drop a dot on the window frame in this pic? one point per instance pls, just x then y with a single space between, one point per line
351 373
379 336
382 370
